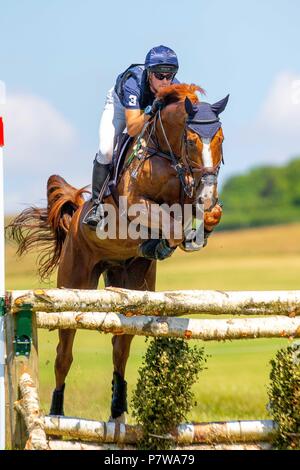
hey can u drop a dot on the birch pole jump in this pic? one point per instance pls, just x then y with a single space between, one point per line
119 312
206 330
79 445
171 303
189 433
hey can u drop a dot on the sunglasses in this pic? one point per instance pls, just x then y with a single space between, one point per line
162 76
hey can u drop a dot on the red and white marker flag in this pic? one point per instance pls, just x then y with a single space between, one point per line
1 132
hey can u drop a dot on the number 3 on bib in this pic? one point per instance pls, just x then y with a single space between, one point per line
132 100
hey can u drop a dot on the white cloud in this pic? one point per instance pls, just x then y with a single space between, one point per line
39 142
36 133
280 112
275 134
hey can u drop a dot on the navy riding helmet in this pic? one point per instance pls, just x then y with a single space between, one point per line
161 59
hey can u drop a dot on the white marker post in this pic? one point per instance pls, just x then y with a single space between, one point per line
2 279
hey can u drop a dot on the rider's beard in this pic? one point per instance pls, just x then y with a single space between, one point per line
160 85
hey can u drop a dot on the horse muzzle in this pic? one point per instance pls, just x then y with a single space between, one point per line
207 198
194 230
208 195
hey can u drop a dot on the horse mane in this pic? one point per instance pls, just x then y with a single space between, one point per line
178 92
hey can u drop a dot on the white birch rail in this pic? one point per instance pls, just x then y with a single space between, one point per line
73 445
172 303
207 329
110 432
29 407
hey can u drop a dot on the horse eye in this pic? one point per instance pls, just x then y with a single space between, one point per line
191 143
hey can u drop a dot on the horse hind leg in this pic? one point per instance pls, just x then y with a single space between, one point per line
138 274
72 274
63 362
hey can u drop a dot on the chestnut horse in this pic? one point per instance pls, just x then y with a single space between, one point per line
179 163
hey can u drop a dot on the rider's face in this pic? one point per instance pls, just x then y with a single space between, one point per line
156 84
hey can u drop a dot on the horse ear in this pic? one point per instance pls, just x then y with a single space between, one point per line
219 107
190 109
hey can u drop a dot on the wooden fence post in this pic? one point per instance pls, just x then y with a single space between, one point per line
22 356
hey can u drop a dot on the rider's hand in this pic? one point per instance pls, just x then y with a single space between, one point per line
156 105
212 218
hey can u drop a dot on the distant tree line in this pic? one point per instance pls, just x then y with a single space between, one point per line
265 195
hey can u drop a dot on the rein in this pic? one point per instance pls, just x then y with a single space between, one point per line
183 164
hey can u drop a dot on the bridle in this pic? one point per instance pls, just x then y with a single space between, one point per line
183 164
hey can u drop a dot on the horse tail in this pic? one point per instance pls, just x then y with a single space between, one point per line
46 228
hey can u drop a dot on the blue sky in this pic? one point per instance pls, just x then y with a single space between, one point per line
59 58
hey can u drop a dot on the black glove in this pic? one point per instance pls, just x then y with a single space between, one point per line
156 105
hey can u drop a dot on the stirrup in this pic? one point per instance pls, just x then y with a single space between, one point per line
95 214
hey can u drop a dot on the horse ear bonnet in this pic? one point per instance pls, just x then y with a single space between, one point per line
206 121
219 107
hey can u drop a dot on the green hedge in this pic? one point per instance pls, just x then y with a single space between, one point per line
163 396
262 196
284 396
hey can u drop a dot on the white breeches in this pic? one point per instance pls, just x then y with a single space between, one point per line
112 124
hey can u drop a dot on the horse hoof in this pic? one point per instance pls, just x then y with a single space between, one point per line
190 246
120 419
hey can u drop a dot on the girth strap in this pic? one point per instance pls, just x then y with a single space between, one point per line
153 152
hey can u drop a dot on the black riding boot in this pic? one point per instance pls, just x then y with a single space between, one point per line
119 396
100 178
57 404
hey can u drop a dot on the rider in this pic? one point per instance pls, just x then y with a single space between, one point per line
129 104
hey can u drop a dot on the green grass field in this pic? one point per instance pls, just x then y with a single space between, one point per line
235 384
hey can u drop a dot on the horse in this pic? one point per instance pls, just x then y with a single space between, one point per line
175 160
